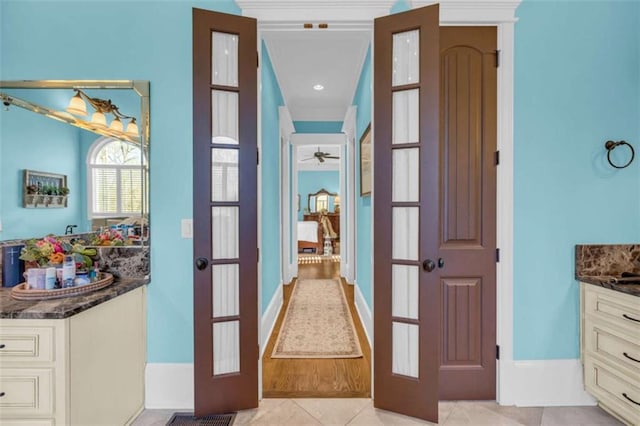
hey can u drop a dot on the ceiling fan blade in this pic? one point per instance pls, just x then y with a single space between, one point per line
321 159
307 159
332 156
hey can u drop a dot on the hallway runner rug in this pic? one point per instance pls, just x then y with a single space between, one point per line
317 323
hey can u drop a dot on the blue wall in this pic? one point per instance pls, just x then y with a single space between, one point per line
310 182
270 153
362 100
318 126
577 84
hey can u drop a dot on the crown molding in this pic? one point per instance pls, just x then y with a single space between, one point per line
293 12
315 10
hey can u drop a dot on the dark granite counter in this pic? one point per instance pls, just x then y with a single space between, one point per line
602 264
606 282
63 307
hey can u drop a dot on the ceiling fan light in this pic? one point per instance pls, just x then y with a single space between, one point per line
77 105
318 87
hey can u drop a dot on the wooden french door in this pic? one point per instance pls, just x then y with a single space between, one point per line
406 212
467 236
225 212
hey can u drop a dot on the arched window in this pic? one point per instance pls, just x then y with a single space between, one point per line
115 173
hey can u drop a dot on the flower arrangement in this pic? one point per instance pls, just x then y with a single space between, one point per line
51 251
110 237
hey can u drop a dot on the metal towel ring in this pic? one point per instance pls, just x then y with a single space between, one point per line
610 146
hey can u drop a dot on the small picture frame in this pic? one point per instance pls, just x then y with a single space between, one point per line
44 190
366 165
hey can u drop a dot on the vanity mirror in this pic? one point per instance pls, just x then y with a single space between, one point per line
322 200
103 155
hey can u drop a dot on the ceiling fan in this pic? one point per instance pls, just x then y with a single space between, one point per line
320 156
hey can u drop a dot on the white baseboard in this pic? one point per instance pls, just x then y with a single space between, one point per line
364 313
169 386
269 318
543 383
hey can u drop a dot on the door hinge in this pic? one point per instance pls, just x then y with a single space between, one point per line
497 157
258 253
497 58
497 351
258 156
497 255
257 59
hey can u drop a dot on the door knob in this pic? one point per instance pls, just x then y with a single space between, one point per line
428 265
440 262
201 263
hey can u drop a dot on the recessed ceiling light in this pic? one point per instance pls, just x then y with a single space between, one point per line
318 87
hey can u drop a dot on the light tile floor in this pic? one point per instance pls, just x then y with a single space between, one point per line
352 411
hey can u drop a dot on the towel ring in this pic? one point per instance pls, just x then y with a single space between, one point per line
611 145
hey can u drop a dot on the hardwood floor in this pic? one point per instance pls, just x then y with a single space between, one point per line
317 378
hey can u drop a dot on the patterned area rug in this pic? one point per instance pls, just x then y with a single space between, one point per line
317 323
304 259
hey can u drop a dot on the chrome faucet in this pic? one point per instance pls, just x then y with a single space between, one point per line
69 229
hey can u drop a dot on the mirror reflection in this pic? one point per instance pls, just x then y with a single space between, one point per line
323 200
63 173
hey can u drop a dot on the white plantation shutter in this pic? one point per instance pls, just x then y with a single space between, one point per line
116 174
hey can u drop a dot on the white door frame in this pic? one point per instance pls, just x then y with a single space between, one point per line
359 14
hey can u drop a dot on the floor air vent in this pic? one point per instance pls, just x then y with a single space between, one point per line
187 419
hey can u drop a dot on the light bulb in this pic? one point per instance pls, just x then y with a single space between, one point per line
77 105
116 124
98 119
132 128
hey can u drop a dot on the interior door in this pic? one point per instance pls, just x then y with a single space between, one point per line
468 212
406 211
225 212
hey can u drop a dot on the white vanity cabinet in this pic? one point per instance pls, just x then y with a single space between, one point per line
610 350
87 369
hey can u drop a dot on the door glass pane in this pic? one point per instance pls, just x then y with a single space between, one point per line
405 233
226 347
224 232
406 58
224 174
404 279
224 59
225 292
224 117
405 349
406 175
406 116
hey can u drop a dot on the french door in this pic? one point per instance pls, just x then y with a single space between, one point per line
406 213
225 212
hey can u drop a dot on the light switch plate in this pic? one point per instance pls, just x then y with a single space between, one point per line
186 227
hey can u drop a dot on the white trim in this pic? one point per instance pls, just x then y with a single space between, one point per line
315 10
348 242
288 207
169 386
269 318
366 318
544 383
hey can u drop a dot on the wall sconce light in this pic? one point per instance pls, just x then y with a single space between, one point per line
78 106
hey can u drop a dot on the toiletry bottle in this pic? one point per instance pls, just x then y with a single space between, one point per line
68 271
50 279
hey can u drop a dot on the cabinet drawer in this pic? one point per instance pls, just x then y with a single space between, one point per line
619 394
617 308
26 392
26 344
614 346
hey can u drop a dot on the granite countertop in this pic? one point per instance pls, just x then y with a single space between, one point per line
606 282
64 307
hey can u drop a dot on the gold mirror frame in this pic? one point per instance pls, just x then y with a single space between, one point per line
320 192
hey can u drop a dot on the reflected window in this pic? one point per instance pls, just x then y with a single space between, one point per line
115 173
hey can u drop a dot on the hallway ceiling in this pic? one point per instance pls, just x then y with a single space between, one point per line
302 59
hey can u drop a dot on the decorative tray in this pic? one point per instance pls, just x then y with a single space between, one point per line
21 293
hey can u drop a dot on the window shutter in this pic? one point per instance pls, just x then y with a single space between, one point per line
105 186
